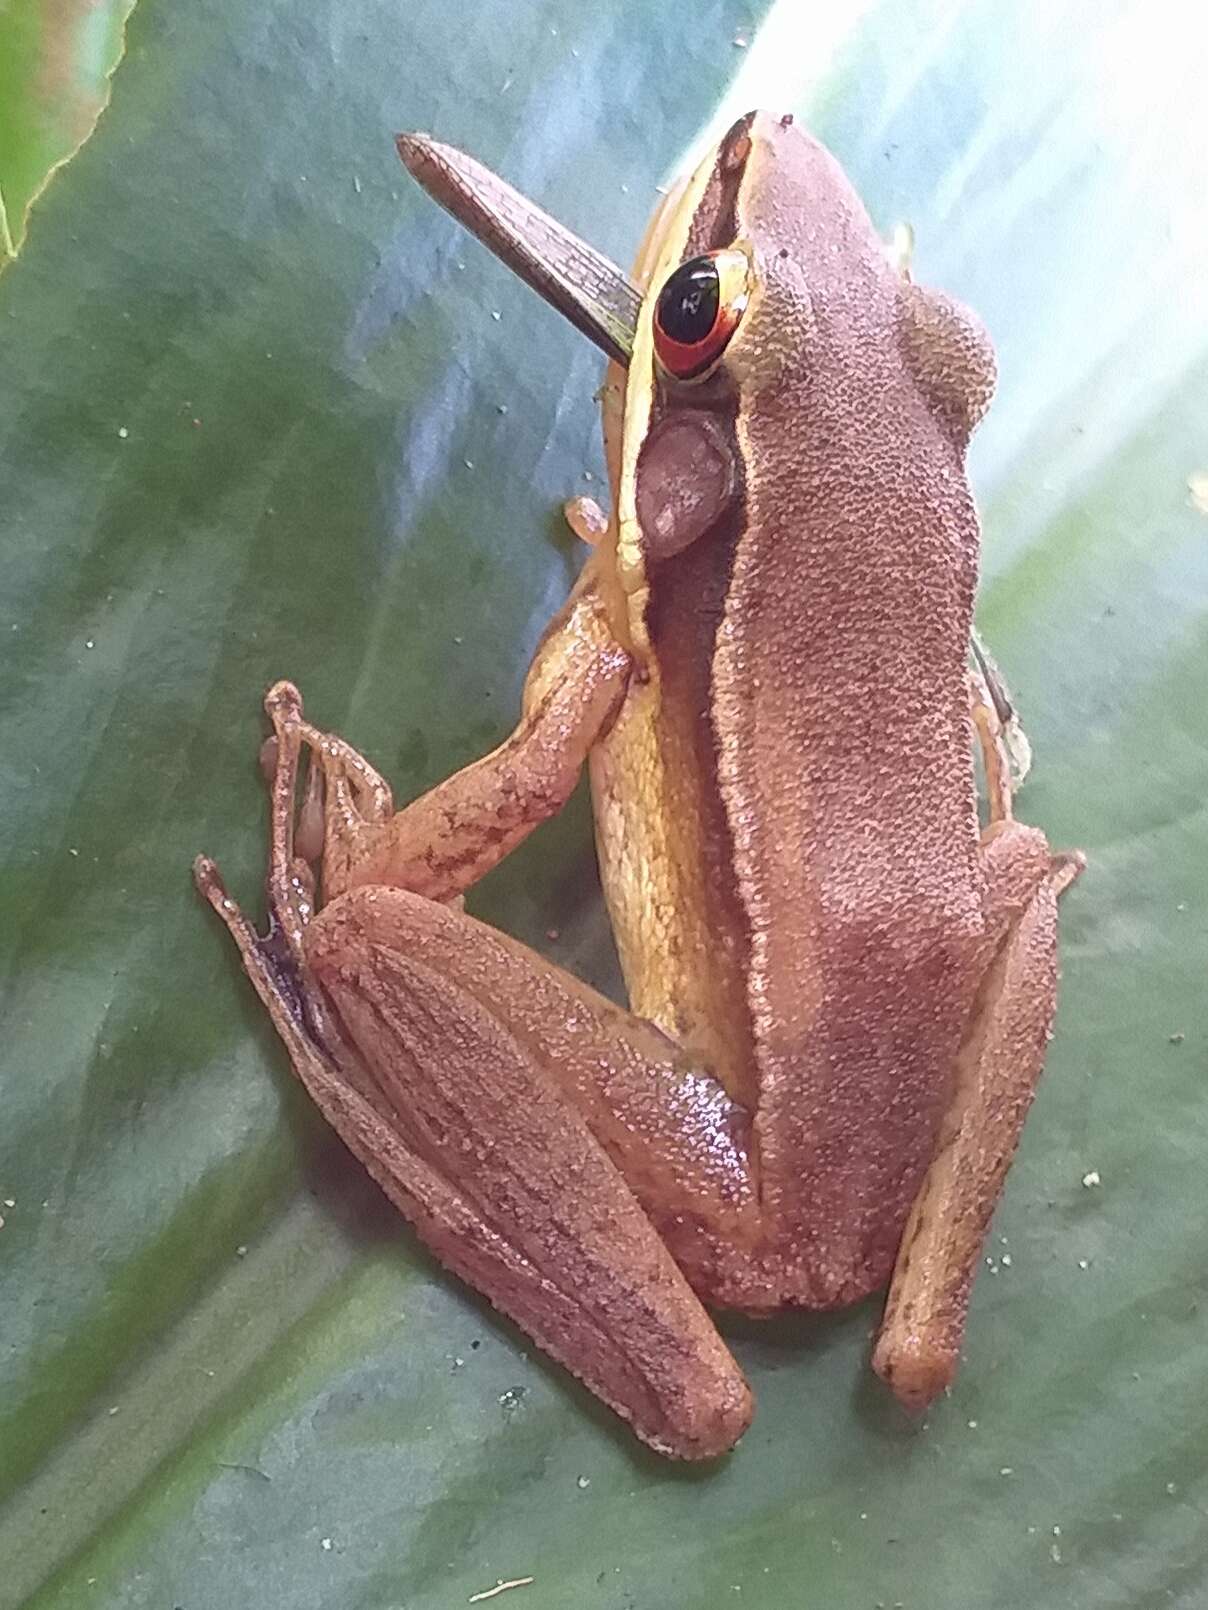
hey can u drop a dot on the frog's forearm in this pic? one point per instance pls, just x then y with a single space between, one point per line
447 839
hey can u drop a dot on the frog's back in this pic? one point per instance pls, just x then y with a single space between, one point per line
788 822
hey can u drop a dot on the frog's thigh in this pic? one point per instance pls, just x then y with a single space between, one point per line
1000 1062
478 1074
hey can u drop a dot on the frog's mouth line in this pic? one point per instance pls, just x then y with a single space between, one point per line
583 284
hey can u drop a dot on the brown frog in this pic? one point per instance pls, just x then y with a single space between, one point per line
841 984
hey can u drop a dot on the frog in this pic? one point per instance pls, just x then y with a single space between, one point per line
841 972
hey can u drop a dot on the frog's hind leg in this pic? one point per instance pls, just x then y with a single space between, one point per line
273 961
1005 750
1000 1062
468 1095
518 1120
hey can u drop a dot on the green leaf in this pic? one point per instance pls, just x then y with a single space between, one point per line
251 426
55 60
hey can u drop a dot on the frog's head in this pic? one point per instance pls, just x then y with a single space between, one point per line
765 330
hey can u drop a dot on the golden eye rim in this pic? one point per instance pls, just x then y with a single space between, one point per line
697 361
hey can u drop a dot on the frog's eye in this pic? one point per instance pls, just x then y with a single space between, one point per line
698 310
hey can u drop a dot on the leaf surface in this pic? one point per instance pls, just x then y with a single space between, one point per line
267 412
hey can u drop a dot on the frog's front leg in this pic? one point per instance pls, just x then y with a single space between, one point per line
444 841
1000 1061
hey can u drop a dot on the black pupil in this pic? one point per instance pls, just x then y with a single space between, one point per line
687 306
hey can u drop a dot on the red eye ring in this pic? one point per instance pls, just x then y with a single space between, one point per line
698 310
